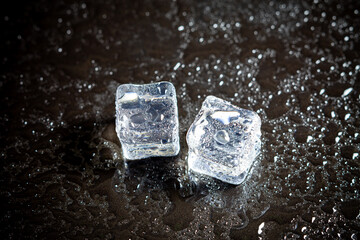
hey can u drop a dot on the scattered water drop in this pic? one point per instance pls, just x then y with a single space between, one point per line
261 228
222 137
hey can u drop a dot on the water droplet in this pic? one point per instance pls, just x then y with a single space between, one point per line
222 137
177 65
347 116
347 92
261 227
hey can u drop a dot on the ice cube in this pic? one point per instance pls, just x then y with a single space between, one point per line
147 120
223 140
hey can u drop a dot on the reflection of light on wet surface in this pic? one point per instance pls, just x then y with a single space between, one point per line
129 97
225 117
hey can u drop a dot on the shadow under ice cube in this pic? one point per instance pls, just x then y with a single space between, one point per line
147 120
223 140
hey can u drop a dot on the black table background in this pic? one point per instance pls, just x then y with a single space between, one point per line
62 174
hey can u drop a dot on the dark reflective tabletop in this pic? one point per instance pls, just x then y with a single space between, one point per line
295 63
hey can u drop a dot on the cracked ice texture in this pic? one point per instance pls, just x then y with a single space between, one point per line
223 140
147 120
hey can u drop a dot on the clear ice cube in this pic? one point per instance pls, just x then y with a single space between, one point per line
147 120
224 140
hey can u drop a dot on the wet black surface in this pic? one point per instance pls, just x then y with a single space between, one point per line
296 64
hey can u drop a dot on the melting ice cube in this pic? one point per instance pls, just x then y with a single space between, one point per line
224 140
147 120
